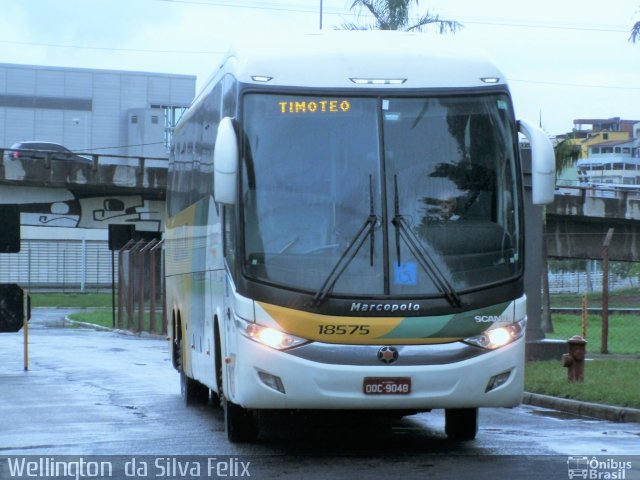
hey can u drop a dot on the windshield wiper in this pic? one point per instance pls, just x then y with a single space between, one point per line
421 255
367 230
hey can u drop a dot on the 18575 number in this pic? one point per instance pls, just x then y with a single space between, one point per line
344 329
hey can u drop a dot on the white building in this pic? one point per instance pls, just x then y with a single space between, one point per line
101 111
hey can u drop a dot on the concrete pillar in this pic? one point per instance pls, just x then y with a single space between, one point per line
533 253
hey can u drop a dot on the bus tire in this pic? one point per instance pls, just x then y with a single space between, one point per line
216 399
192 391
461 424
240 424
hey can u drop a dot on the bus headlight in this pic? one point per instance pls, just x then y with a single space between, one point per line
499 336
269 336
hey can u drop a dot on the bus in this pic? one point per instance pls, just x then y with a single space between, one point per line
345 231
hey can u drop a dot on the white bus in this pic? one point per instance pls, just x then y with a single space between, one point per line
345 231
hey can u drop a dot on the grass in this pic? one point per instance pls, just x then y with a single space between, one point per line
612 382
623 338
94 308
608 381
625 298
70 300
104 318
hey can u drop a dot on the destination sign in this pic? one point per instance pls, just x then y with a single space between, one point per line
314 106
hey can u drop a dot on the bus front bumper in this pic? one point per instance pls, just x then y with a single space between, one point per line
259 377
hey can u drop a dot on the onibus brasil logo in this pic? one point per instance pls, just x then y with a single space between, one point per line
597 468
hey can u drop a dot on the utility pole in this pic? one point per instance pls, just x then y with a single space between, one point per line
604 346
320 14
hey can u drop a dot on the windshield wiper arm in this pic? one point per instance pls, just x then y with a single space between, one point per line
367 230
422 256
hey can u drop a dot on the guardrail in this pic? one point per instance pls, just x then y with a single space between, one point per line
49 168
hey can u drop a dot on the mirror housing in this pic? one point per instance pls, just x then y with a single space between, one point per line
543 163
225 163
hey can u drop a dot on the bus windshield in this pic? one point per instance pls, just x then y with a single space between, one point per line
398 196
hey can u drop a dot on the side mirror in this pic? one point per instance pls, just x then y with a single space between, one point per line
543 163
225 163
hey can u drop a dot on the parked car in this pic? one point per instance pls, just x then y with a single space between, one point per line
39 150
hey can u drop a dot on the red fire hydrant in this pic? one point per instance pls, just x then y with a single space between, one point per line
574 360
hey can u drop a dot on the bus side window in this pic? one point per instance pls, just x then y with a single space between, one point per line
230 245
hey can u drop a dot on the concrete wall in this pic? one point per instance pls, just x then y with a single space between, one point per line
579 219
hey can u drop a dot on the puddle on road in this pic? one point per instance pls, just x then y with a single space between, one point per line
558 414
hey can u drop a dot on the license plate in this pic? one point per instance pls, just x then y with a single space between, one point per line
387 385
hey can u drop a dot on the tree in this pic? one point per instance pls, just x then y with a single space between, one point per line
566 153
635 33
396 15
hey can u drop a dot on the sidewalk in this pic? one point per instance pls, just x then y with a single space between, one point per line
584 409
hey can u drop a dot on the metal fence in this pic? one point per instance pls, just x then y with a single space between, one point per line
580 282
59 265
619 336
141 287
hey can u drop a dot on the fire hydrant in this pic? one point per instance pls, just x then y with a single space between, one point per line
574 360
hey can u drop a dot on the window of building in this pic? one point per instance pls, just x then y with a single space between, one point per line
171 116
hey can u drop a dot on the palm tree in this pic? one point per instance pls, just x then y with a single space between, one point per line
395 15
635 33
567 154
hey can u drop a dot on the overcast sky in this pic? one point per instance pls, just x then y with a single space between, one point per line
564 59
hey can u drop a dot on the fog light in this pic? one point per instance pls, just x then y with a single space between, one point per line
271 381
497 381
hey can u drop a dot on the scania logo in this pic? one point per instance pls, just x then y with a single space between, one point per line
388 354
486 318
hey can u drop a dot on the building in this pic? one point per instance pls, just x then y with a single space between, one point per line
87 110
592 131
615 163
90 111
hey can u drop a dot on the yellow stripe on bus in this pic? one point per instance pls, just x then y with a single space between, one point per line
341 329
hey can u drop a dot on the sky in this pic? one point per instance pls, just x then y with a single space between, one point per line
563 59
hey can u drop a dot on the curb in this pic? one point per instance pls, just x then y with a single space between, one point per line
100 328
575 407
584 409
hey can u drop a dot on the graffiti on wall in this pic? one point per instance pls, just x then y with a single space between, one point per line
57 207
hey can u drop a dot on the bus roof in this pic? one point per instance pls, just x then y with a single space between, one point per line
348 59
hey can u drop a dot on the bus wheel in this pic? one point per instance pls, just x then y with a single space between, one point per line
240 424
461 423
192 391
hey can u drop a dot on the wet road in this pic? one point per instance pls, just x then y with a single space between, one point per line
105 393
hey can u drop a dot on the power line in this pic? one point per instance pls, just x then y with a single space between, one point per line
464 20
116 49
581 85
545 25
292 8
276 7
